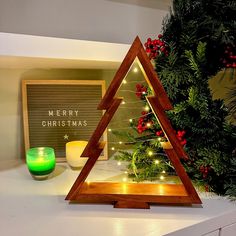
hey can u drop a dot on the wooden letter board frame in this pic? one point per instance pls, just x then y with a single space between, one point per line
47 96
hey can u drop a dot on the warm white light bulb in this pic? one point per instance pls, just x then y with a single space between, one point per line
157 162
150 153
130 120
159 139
119 163
163 172
123 102
120 142
135 70
149 125
112 148
162 177
124 179
143 92
126 172
109 130
146 108
124 81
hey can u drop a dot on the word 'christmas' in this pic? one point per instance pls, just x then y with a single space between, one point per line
63 123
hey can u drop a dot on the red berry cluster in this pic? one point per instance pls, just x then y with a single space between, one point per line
204 170
156 47
180 135
160 133
143 123
229 60
141 90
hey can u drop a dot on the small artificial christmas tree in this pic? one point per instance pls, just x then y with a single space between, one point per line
198 41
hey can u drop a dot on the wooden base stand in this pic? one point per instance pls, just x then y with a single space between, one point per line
140 195
129 204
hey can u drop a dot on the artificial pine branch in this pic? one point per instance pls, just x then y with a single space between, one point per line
197 34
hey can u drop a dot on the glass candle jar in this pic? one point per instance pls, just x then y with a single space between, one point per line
74 150
40 161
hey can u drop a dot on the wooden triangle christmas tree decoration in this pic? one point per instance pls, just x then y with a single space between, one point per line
135 195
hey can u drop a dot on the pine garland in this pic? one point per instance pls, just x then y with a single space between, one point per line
198 36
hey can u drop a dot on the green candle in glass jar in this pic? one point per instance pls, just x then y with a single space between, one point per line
40 161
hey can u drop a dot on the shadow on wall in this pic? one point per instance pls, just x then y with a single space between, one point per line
154 4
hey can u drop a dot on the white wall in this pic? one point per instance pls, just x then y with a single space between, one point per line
116 21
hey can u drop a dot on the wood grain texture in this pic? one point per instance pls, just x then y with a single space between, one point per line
135 195
103 192
136 189
132 204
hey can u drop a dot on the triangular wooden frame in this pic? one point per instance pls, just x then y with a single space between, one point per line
185 193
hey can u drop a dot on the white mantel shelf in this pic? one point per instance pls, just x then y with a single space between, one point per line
28 51
29 207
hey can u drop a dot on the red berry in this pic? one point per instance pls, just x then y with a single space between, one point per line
159 133
179 133
201 168
183 142
160 36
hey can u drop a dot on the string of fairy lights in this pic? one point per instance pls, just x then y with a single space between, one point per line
150 153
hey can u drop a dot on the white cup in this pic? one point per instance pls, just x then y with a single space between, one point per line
74 149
